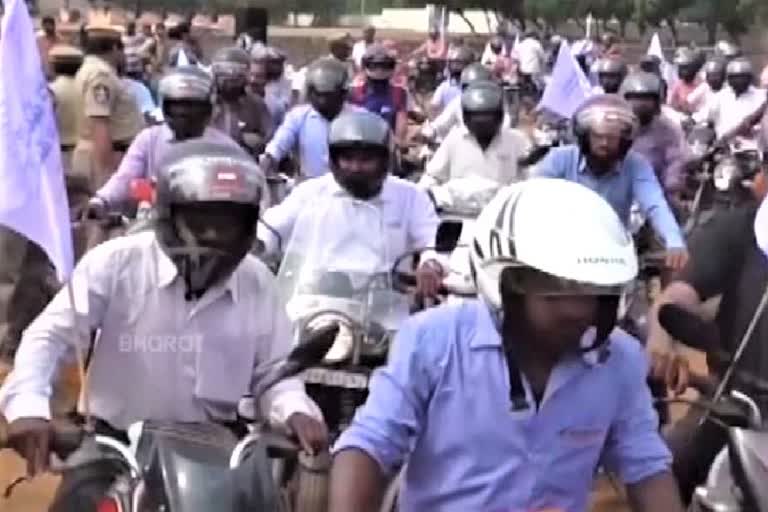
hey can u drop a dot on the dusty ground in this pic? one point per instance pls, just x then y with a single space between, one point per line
34 496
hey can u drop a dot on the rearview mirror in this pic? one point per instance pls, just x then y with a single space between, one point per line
689 328
314 347
447 237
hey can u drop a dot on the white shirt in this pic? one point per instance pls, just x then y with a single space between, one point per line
408 213
460 156
358 51
727 111
158 356
531 55
453 115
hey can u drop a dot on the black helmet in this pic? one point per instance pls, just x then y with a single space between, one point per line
485 96
715 66
197 173
650 64
611 66
378 53
188 83
475 72
360 130
327 75
642 84
739 66
231 61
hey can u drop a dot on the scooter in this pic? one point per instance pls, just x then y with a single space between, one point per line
187 467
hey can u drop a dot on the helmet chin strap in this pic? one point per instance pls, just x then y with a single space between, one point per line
194 267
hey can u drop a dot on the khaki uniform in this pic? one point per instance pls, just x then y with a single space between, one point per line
102 94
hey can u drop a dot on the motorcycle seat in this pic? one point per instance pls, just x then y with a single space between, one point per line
749 461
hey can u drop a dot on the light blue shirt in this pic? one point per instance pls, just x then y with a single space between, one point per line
445 92
632 180
306 130
141 93
442 406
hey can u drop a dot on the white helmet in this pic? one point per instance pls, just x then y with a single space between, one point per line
558 227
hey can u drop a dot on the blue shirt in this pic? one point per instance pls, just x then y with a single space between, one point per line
442 405
632 180
305 130
142 94
445 92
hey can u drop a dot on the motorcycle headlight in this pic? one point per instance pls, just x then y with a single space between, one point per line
724 174
345 340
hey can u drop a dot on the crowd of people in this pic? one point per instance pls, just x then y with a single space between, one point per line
491 403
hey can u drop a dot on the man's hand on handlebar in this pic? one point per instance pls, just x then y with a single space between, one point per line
96 209
676 258
671 367
429 278
32 438
312 433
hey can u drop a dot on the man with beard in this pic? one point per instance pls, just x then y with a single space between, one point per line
244 117
360 157
658 139
602 160
305 127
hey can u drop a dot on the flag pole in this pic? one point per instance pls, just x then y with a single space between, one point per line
78 328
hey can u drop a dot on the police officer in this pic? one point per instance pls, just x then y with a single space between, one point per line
245 117
109 118
65 62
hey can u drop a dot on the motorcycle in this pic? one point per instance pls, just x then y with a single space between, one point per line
188 467
342 277
737 477
723 180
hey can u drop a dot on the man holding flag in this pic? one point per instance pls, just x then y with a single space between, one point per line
729 257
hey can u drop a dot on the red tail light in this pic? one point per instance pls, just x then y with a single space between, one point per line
108 504
142 191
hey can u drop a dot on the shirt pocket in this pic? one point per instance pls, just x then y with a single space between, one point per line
225 364
576 452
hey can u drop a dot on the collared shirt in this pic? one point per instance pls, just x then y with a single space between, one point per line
246 115
66 101
632 180
142 95
408 213
453 115
441 405
306 130
158 356
680 93
446 92
461 156
277 96
701 99
662 142
358 52
727 110
144 156
532 56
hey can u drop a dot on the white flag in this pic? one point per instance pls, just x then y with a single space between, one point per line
668 71
33 198
568 87
182 59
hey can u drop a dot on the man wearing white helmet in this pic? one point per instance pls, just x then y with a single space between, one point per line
605 127
511 402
